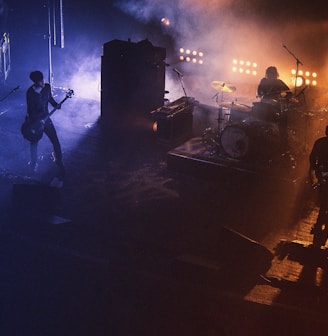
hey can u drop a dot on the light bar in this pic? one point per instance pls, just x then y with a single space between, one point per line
244 67
191 56
304 78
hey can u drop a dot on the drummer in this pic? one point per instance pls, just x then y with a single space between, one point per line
271 88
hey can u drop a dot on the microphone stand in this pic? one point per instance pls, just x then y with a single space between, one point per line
181 82
8 94
298 62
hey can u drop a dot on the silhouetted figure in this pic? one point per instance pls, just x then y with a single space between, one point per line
38 96
274 94
271 87
319 170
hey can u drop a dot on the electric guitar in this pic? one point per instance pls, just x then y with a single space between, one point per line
34 131
318 176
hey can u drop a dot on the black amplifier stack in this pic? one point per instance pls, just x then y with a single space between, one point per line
132 80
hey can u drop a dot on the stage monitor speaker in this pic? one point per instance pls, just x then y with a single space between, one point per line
239 250
33 200
176 130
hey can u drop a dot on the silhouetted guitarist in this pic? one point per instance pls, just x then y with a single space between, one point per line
319 177
38 96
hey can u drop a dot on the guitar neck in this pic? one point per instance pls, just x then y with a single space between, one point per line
54 109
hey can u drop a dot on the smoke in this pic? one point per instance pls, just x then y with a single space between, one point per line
249 30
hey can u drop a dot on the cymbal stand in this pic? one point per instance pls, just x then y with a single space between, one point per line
303 95
220 112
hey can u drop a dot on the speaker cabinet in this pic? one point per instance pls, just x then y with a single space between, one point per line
33 200
132 79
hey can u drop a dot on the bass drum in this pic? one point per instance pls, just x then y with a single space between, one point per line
249 140
235 141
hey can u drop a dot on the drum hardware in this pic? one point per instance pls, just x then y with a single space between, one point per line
211 140
221 87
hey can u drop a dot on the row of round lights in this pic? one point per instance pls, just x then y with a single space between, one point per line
189 56
304 78
244 67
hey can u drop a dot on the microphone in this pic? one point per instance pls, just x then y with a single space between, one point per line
178 72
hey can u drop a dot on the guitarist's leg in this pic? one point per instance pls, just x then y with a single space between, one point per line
50 131
34 155
322 219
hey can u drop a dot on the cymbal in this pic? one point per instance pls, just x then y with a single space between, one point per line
222 86
236 107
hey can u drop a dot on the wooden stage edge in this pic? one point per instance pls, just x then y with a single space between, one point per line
194 159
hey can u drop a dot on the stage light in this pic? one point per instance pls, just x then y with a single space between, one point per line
165 21
244 67
298 81
191 56
155 125
301 77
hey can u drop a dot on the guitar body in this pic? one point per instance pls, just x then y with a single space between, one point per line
32 132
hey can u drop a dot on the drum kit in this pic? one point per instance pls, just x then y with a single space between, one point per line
246 131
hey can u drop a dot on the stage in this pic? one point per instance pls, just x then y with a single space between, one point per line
197 158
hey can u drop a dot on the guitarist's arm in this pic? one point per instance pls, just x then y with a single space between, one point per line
53 102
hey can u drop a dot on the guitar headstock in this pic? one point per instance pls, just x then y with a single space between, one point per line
69 93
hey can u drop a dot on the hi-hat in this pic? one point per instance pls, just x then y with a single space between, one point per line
222 86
